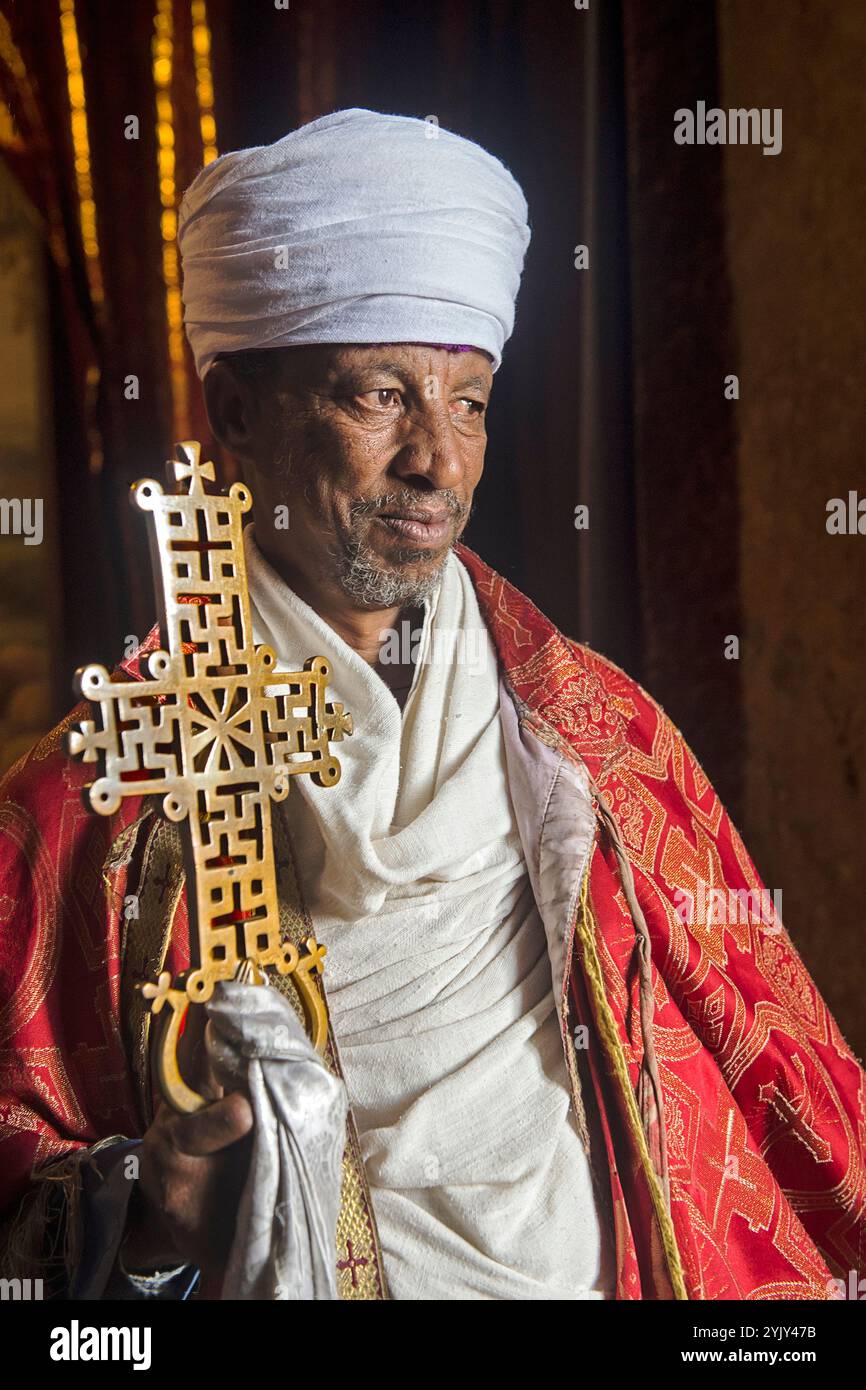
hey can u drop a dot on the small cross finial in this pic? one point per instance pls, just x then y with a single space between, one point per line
188 465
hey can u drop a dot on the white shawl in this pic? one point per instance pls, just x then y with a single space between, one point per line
437 974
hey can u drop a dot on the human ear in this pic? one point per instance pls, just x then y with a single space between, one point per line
232 411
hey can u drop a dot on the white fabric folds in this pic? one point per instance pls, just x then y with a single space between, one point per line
286 1230
359 227
438 973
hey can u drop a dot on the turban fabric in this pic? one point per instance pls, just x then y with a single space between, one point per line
357 228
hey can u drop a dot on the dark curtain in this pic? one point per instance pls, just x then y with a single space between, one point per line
683 429
541 87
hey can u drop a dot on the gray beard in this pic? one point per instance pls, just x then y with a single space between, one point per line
370 586
357 570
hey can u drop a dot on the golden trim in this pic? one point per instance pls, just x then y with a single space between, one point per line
609 1034
144 947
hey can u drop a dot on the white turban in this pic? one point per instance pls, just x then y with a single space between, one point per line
357 228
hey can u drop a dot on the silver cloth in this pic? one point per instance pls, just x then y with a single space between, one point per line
285 1238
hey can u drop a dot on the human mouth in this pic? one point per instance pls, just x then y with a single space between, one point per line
419 526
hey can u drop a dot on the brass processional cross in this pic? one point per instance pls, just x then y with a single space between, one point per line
205 733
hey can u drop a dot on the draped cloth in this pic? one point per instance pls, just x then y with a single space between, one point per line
762 1099
359 227
438 977
286 1225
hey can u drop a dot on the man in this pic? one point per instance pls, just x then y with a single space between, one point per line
563 1083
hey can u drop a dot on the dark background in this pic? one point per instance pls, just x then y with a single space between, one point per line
707 516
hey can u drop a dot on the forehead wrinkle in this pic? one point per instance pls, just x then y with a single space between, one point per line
408 369
382 364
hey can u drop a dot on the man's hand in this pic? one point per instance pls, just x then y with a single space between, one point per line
191 1177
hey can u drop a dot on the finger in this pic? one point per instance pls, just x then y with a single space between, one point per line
218 1125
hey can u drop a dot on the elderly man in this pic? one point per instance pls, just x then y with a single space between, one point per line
562 1084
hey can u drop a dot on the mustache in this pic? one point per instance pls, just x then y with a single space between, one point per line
446 500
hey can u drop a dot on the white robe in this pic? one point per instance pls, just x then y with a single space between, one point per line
438 976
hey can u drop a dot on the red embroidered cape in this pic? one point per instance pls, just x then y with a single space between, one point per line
764 1104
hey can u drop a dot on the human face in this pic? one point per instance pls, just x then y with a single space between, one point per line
377 452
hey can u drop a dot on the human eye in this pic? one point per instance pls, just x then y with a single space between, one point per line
382 398
470 408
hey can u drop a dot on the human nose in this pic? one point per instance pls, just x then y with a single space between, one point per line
431 450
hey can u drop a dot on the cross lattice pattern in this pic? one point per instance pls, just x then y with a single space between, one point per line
216 730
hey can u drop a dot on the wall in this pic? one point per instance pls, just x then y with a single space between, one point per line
796 255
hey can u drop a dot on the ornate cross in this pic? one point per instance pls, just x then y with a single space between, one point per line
218 733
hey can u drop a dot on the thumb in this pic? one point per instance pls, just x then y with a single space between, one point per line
193 1057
